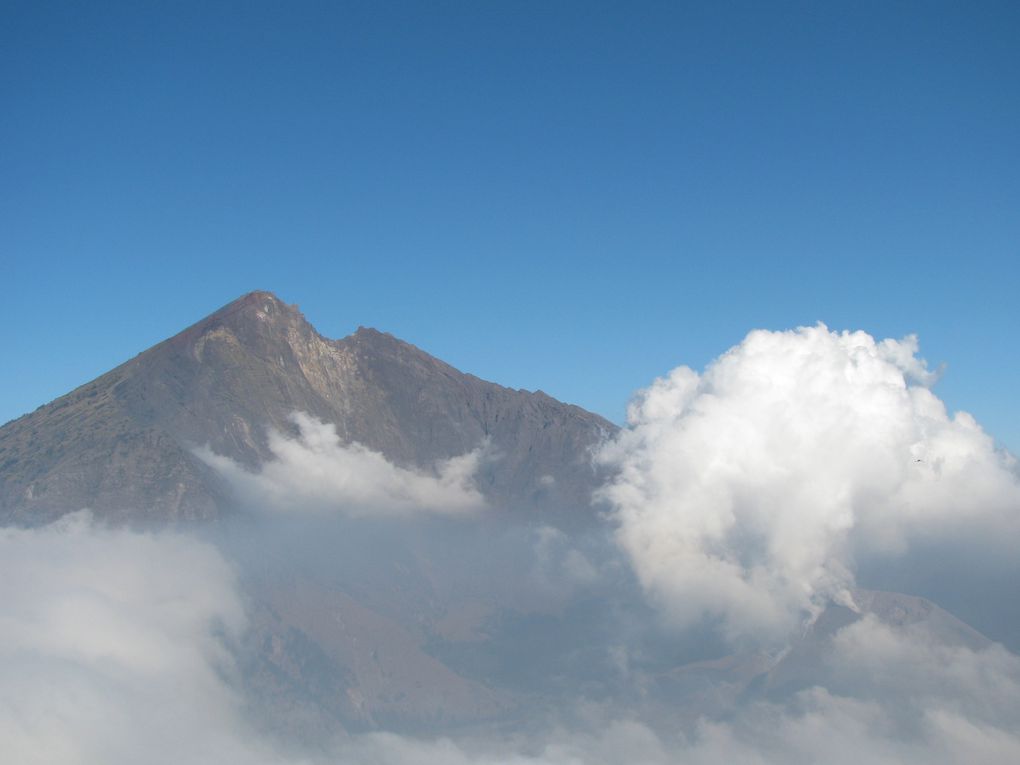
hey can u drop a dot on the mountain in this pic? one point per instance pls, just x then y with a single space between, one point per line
124 444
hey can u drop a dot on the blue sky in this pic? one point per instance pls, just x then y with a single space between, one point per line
575 197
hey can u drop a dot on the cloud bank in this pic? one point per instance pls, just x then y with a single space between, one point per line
114 648
745 493
884 695
316 472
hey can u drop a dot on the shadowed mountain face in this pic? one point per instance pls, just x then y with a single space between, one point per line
124 443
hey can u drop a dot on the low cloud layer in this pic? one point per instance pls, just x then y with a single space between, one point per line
114 648
884 695
316 472
747 493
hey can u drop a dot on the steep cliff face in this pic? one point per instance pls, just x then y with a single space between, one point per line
123 443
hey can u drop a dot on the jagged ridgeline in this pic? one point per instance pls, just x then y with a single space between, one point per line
124 444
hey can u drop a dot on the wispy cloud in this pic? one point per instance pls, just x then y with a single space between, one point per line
316 472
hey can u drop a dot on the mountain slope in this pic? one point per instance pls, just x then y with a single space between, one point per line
123 443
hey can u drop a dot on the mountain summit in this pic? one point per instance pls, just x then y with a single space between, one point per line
124 444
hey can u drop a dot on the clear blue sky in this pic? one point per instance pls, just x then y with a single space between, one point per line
568 196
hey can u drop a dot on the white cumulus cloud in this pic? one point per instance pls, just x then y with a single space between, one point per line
745 493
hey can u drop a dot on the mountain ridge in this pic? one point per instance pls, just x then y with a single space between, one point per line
122 443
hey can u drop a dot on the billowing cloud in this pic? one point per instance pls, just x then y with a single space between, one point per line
114 648
316 472
746 493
